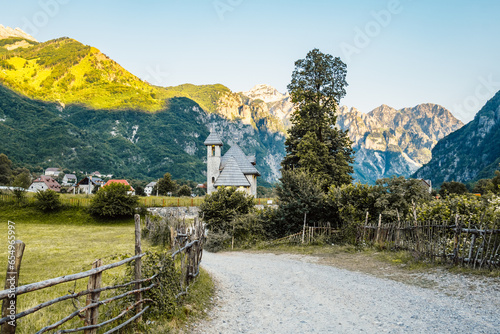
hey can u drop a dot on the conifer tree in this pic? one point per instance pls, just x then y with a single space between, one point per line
314 144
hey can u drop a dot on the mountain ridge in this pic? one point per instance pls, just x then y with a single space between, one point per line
387 141
470 153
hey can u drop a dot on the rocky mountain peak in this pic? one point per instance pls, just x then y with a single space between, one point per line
265 93
8 32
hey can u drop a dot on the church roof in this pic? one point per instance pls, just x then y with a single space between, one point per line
213 139
244 163
231 175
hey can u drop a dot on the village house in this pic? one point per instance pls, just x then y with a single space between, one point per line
427 184
43 183
69 179
234 169
149 188
53 171
125 182
87 185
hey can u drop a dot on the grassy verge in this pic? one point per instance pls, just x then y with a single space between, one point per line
369 259
195 307
67 242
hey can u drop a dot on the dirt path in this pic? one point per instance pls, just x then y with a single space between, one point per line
267 293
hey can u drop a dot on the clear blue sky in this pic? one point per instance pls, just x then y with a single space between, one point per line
398 52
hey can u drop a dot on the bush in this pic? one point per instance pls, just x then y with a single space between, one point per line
47 200
353 201
167 283
449 188
298 194
184 191
249 229
474 209
157 231
217 241
113 201
221 207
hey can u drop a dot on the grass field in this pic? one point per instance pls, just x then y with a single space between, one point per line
151 201
58 244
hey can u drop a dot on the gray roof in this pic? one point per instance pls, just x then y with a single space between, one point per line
213 139
151 184
232 175
70 176
241 159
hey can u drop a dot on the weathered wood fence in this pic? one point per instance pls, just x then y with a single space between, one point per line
460 242
189 244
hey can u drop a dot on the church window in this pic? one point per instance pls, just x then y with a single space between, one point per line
213 150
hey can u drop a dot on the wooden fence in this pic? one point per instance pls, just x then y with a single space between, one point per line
150 201
476 245
190 247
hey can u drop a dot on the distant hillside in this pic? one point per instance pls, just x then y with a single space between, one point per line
394 142
470 153
131 144
67 71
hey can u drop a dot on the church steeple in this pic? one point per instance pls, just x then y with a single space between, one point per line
214 148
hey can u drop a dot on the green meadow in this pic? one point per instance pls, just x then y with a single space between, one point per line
63 243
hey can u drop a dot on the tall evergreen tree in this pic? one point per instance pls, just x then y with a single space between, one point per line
314 143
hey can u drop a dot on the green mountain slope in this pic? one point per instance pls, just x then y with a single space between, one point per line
66 104
126 143
207 96
67 71
470 153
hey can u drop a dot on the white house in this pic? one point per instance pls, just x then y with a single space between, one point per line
53 171
87 184
149 188
69 179
43 183
234 169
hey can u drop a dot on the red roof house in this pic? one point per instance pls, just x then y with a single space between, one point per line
44 182
125 182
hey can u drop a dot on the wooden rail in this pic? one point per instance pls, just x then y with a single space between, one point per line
93 291
188 246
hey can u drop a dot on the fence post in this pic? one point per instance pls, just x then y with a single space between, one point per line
304 228
138 263
11 283
378 228
456 241
398 229
92 314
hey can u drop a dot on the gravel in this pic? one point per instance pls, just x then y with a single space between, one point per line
267 293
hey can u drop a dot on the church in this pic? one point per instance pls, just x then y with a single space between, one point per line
234 169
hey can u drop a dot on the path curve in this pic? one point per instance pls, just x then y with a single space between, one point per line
267 293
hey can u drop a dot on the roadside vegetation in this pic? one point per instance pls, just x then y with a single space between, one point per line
66 240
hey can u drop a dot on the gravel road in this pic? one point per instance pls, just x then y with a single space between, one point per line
267 293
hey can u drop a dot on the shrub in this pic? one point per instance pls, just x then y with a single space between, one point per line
157 231
47 200
221 207
184 191
217 241
113 201
298 194
449 188
353 201
248 229
167 283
